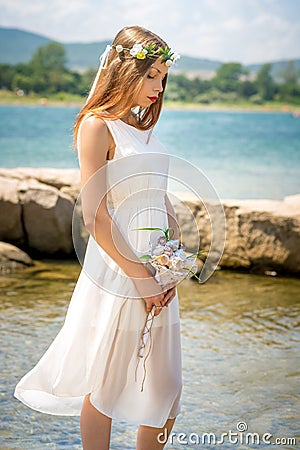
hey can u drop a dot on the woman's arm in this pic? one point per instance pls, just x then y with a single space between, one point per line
172 220
94 142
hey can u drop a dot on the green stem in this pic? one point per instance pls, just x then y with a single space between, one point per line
198 253
194 273
166 231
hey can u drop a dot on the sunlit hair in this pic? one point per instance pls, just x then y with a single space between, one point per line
121 81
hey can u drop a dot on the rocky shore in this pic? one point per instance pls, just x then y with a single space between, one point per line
36 207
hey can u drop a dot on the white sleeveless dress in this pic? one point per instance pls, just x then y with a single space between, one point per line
96 351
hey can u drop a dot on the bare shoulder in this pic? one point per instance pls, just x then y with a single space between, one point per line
93 146
94 126
95 138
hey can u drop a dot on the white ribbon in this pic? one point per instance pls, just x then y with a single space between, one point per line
103 65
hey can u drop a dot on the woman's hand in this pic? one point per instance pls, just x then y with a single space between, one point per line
171 293
161 296
150 291
167 298
158 301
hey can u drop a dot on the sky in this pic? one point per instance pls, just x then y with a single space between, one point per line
246 31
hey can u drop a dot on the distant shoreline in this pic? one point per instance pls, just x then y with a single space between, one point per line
8 98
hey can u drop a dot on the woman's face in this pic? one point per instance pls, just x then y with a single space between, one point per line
152 84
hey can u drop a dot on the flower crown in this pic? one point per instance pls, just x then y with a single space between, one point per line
149 51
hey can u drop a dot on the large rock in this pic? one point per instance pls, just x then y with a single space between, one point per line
37 206
11 211
12 258
261 235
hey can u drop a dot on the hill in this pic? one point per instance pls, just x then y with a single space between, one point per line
81 56
19 45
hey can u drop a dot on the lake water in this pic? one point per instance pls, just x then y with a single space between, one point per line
240 332
240 344
244 154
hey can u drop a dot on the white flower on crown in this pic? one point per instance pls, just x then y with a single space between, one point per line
136 49
175 56
172 59
119 48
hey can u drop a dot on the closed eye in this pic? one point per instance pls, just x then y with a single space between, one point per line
149 76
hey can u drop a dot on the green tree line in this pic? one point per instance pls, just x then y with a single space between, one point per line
47 74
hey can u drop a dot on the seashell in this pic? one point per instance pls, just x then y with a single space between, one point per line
181 254
159 249
154 238
176 263
173 243
163 259
162 240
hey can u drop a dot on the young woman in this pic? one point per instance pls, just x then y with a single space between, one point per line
92 367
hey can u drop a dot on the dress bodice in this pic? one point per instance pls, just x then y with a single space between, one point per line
137 175
130 140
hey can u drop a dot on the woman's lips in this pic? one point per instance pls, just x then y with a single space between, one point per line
153 99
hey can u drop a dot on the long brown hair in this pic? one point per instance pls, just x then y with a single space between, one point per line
121 81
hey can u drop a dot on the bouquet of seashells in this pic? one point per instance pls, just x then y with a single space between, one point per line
169 263
167 259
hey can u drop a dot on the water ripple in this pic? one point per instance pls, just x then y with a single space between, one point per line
240 356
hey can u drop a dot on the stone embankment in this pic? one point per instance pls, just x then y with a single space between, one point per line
36 209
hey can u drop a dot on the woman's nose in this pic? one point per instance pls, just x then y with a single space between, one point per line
159 86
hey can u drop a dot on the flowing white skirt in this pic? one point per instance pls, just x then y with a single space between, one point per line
96 351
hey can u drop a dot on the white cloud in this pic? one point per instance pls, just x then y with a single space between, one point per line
36 8
246 31
234 24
